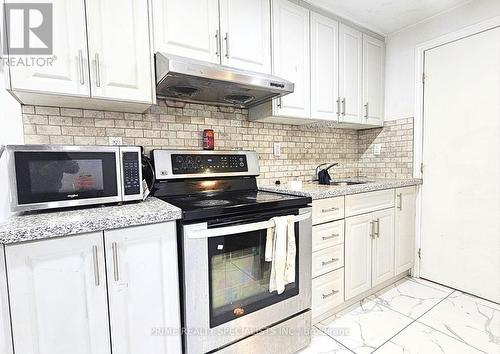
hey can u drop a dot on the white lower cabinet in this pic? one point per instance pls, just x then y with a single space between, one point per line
405 228
60 290
327 292
58 296
142 273
383 246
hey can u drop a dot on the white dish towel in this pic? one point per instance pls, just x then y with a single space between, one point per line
281 251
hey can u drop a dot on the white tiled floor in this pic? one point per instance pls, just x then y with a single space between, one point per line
412 316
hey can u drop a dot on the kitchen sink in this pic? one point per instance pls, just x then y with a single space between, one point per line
345 183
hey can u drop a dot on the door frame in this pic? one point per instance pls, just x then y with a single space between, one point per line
418 121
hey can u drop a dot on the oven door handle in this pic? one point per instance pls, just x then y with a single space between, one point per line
203 232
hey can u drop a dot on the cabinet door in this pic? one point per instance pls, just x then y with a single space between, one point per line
5 329
358 255
66 71
324 67
383 246
373 80
58 296
188 28
351 78
291 57
246 34
119 50
405 228
143 289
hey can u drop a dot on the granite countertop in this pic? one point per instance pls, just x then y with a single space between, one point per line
38 226
317 191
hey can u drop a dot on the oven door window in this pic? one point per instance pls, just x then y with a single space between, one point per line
58 176
239 276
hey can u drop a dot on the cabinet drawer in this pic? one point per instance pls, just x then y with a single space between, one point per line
326 260
327 235
327 292
329 209
362 203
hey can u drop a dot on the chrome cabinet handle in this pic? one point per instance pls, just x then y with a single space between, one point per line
400 201
343 106
116 273
333 260
217 43
330 237
338 106
328 210
82 68
377 222
97 70
366 110
226 39
96 265
279 102
371 229
333 292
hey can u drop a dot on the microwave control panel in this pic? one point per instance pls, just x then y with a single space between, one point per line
200 164
131 176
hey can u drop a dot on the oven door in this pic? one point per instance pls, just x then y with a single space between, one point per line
57 177
226 279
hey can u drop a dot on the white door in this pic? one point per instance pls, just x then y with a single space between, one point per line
373 80
324 68
143 289
246 34
383 246
120 52
461 154
66 71
58 296
188 28
358 255
404 238
291 57
351 74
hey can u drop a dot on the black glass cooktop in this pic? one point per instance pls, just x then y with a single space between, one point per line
205 205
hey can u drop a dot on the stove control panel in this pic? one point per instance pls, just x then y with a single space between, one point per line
207 164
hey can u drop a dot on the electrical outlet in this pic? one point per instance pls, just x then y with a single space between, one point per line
277 149
115 140
377 149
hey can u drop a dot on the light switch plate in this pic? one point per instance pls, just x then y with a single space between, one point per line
115 140
377 149
277 149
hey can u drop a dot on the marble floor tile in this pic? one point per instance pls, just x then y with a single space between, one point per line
418 338
468 319
410 298
432 284
323 344
366 327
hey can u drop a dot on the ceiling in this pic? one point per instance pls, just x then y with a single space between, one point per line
386 16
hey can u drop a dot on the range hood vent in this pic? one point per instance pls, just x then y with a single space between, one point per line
191 80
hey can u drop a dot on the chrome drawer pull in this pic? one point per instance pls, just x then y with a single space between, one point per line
328 210
330 237
325 296
333 260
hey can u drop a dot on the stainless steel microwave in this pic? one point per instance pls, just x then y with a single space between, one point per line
54 176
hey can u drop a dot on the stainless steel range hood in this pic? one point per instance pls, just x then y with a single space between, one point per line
197 81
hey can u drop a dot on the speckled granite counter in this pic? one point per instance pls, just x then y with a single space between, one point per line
317 191
62 223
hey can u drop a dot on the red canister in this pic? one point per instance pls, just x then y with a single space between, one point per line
208 139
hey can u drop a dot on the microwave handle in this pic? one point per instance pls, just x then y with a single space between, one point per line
237 229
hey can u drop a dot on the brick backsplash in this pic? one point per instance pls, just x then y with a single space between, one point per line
181 127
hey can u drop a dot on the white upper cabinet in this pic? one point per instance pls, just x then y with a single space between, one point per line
67 73
324 67
143 288
373 80
188 28
405 228
119 50
291 57
351 74
58 296
246 34
383 246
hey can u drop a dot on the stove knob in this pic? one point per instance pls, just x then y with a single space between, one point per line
179 159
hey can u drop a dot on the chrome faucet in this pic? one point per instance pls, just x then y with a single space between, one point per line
316 172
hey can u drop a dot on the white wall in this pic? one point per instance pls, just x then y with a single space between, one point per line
400 56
